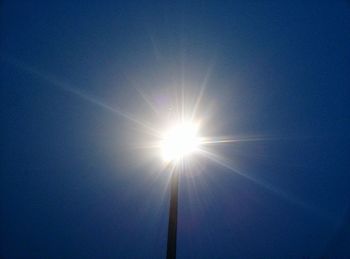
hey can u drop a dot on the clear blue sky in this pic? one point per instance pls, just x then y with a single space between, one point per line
72 183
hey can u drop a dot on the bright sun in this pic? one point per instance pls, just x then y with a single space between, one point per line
179 141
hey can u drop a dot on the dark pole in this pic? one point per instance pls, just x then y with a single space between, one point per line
172 225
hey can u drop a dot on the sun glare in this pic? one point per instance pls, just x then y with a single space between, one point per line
179 141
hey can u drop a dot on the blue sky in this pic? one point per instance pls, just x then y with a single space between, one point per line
74 183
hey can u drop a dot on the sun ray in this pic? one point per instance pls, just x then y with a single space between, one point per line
201 91
73 90
228 140
142 94
226 164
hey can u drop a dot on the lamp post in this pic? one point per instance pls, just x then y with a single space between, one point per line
172 224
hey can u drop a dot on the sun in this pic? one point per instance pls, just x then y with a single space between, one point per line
179 141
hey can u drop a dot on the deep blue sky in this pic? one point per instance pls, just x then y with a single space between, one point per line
74 186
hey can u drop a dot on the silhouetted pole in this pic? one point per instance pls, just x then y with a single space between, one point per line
172 225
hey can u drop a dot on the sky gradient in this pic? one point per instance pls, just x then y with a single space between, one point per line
76 76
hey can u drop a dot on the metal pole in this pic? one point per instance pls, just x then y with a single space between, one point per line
172 225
